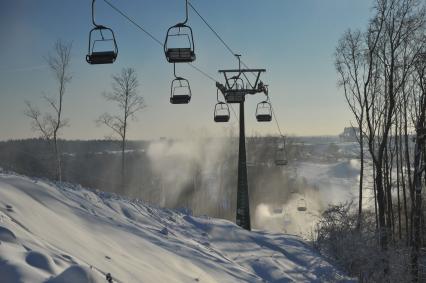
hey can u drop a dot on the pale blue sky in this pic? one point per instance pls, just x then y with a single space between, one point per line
293 39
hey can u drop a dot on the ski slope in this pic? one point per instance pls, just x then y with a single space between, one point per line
65 233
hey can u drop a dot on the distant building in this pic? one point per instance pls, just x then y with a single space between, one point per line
349 134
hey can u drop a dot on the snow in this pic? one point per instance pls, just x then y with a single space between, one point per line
65 233
318 186
335 182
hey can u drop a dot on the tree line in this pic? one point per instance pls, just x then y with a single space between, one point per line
382 73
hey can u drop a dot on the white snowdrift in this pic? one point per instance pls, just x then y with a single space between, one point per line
64 233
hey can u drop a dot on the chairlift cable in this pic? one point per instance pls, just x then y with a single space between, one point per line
133 22
153 37
216 34
233 54
161 44
222 41
276 121
212 29
202 72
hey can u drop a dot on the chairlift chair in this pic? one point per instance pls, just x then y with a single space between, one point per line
221 112
180 54
280 157
99 56
301 205
264 112
102 50
281 154
181 33
180 91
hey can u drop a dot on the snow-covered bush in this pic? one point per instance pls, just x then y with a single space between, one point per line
358 251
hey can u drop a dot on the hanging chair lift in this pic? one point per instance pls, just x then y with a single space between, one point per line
301 205
102 48
281 154
264 111
221 111
179 45
180 90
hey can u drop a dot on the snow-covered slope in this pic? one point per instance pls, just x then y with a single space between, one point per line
64 233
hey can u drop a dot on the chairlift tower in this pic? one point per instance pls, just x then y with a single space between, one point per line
237 86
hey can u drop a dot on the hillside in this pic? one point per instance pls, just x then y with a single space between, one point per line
65 233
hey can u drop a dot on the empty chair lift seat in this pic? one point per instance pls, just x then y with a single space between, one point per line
264 112
264 117
180 55
102 57
180 99
102 36
221 112
221 118
301 205
180 91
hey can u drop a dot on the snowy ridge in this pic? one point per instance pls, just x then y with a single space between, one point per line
65 233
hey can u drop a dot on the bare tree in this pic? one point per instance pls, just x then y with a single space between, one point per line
419 165
49 124
125 95
374 69
355 76
399 21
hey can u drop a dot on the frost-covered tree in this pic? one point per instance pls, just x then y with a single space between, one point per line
376 70
50 123
125 95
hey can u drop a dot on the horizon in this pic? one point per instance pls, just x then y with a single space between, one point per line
169 138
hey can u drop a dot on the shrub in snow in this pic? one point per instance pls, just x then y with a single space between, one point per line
358 252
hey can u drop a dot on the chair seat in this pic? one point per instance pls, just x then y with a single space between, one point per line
221 118
104 57
180 55
264 117
180 99
281 162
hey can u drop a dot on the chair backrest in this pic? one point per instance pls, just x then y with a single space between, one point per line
105 48
179 37
180 87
